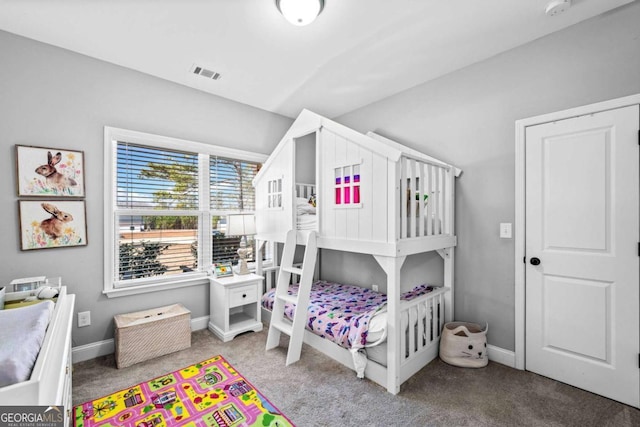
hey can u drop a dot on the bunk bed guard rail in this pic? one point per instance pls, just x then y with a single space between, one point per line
426 194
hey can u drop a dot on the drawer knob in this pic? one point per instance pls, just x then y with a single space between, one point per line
244 295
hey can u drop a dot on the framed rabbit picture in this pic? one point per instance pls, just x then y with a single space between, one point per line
52 224
49 172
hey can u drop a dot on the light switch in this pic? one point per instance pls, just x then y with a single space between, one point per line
505 230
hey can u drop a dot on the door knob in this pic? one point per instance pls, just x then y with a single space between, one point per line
535 261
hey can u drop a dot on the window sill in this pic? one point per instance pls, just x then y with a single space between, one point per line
201 279
348 206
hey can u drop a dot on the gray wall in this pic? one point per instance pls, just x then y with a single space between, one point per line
467 118
306 159
363 270
53 97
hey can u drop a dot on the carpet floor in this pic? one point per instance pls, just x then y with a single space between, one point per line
317 391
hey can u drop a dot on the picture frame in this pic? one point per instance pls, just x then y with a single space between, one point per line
222 269
47 224
49 172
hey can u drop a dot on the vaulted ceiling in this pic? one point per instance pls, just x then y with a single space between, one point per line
356 52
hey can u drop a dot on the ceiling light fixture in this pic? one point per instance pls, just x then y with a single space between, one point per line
300 12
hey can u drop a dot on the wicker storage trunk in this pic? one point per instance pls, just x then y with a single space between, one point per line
151 333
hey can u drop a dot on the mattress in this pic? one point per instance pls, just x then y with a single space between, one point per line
339 313
22 333
351 316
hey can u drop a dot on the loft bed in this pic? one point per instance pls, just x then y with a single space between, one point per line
364 194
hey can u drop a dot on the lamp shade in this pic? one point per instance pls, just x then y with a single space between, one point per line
300 12
241 225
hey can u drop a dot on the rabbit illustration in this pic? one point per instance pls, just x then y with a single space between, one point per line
53 226
55 178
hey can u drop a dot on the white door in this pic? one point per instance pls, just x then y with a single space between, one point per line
582 231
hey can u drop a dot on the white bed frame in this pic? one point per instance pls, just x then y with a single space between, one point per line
50 381
388 224
422 317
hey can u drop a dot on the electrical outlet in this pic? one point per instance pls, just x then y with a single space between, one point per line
374 288
84 319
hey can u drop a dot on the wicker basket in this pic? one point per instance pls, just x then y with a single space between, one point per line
151 333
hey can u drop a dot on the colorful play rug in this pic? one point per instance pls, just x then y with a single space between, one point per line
209 393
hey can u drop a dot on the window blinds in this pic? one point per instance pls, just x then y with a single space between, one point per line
162 181
231 185
152 178
154 188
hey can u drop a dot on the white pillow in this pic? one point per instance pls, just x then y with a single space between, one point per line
303 207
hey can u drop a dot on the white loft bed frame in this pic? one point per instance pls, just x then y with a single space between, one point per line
50 381
387 224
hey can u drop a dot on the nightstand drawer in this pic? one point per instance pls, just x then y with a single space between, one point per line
242 296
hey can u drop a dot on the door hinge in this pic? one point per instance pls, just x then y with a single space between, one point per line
524 259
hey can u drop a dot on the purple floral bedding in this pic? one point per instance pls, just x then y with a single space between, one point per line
341 313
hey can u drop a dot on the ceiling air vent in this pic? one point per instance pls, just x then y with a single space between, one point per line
201 71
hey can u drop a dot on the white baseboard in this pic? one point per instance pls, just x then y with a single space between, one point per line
92 350
199 323
502 356
102 348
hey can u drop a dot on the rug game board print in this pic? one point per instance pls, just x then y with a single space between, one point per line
210 393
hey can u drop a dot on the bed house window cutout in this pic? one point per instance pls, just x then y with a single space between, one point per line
347 186
166 209
274 194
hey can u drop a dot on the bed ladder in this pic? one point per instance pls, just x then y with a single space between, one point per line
280 324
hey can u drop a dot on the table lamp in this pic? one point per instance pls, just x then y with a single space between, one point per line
242 225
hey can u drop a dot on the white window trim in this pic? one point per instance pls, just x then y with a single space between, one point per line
270 194
343 185
112 136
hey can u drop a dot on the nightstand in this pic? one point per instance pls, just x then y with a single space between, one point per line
234 305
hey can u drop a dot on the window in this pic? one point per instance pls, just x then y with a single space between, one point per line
165 222
347 186
274 194
231 191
